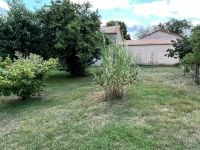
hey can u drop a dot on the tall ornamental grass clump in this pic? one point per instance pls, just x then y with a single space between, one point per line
24 77
117 72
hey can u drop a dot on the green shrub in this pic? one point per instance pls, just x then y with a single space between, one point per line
24 76
118 71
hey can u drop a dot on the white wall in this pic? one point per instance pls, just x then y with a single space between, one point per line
152 54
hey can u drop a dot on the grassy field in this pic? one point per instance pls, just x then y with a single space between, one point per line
161 112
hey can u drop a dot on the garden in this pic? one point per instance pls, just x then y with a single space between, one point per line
53 96
160 112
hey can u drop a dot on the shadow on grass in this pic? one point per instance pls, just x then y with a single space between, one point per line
16 105
12 101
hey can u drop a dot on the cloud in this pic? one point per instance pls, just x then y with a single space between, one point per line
106 4
4 5
152 13
165 8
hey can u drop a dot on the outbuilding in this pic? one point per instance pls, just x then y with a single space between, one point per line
152 49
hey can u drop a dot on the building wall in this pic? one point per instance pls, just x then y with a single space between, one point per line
152 55
112 37
161 35
115 38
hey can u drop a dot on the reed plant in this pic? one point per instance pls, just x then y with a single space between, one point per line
118 71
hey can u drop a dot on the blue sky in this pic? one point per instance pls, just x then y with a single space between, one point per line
136 12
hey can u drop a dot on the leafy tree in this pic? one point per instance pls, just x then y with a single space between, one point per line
19 31
24 76
123 28
71 33
174 26
194 56
195 38
144 31
181 48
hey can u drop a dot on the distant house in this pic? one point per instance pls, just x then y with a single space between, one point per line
151 50
113 33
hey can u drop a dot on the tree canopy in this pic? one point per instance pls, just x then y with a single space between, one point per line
19 31
194 56
144 31
195 38
174 26
181 48
71 33
63 29
123 28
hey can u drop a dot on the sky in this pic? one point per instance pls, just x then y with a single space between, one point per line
135 12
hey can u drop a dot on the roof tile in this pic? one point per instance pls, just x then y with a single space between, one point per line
149 42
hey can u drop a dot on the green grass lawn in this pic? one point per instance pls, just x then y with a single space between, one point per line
161 112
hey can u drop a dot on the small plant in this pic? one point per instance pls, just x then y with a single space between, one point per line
186 67
118 71
24 76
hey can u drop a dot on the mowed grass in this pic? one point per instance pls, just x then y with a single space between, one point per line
162 111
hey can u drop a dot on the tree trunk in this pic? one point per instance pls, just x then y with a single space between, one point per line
75 67
197 74
23 98
184 71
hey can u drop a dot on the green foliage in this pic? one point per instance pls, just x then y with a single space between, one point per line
19 30
71 33
194 56
63 30
186 68
181 48
123 28
118 70
24 76
195 38
190 58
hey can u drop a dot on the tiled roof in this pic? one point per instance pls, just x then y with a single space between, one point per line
149 42
111 29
